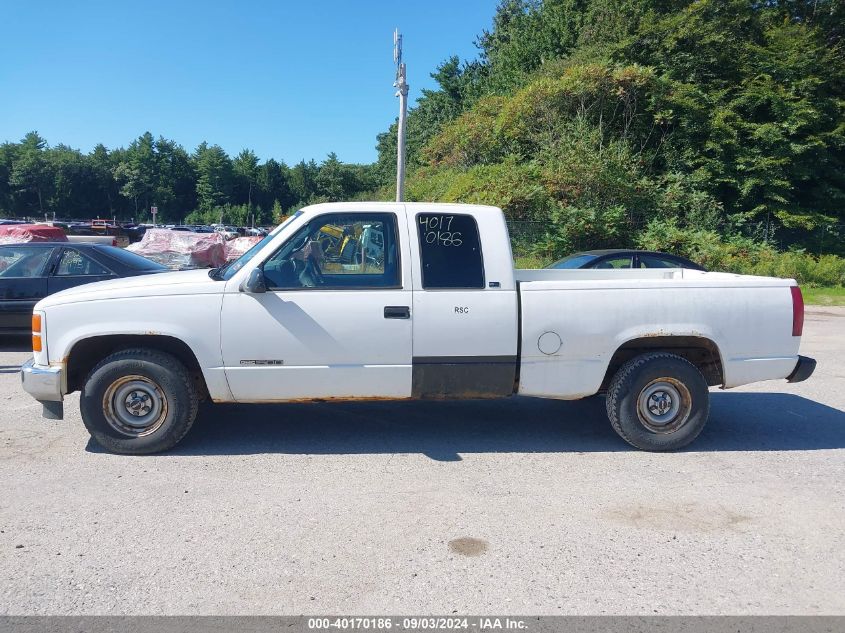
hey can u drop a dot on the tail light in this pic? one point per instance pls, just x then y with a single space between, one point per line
114 241
797 311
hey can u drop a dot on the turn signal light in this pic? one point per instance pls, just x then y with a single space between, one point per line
36 332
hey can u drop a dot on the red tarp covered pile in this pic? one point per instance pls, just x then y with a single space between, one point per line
181 249
18 233
240 245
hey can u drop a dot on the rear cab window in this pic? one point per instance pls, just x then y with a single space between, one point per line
450 251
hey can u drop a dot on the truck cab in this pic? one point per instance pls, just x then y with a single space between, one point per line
430 317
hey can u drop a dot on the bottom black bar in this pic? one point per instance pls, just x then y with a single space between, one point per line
277 624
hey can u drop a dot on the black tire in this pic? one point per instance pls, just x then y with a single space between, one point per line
134 376
642 397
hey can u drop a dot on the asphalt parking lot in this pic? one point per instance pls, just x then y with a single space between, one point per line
518 506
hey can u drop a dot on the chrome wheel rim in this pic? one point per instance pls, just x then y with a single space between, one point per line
134 406
664 405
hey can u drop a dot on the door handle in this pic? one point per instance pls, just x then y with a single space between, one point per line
397 312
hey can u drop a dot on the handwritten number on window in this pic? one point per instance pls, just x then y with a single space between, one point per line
437 230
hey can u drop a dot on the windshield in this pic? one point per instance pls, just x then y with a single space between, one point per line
573 261
226 272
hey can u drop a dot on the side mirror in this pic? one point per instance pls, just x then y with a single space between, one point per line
254 284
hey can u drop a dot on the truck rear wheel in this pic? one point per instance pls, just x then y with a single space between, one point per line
658 402
138 401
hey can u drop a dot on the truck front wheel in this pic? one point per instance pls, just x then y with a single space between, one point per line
658 402
138 401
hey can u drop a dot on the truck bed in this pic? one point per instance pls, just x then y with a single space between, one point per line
572 321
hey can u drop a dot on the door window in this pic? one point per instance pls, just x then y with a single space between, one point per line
334 251
23 261
74 264
450 251
614 262
650 261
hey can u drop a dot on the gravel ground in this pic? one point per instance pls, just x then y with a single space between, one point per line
518 506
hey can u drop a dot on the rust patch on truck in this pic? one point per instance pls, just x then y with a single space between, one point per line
312 400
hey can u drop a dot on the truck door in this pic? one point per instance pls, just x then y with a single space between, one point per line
335 321
465 311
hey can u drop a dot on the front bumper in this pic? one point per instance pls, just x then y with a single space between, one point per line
42 383
804 368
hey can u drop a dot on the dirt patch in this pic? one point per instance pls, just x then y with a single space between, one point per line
467 546
688 517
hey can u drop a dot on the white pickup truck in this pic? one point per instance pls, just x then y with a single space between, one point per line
389 301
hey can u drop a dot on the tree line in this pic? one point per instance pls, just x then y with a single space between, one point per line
38 180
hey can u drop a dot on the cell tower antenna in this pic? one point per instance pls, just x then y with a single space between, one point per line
401 86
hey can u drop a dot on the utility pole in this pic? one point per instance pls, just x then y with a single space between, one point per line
402 92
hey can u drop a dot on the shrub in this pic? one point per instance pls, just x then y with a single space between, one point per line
575 228
516 188
468 140
742 255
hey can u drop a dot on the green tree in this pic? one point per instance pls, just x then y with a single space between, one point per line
133 184
246 171
101 168
214 176
136 171
30 173
332 181
274 185
757 104
8 151
74 188
174 190
303 181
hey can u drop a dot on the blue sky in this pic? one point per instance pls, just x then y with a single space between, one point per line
290 80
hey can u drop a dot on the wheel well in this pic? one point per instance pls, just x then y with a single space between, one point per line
85 354
701 352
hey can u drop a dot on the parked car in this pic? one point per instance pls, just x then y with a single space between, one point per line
31 271
443 315
135 232
622 258
105 228
228 232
